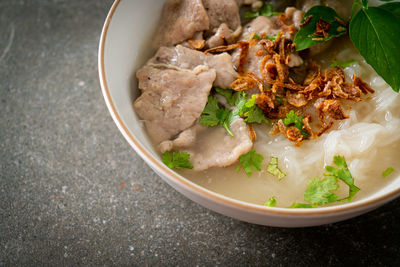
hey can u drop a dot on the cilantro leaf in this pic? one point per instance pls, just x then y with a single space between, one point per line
296 120
231 116
209 116
318 191
271 202
267 10
343 173
301 206
306 37
343 64
272 38
374 32
228 94
245 108
251 112
387 172
273 168
249 161
177 160
213 115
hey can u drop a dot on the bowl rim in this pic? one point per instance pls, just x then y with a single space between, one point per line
193 187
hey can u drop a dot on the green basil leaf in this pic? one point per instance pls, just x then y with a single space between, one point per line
374 32
305 36
365 3
394 8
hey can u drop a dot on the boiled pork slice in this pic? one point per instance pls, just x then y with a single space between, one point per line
172 100
185 58
212 146
222 11
223 36
180 20
271 26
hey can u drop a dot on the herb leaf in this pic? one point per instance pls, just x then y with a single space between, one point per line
213 115
209 116
273 168
267 10
301 206
318 191
392 7
228 94
270 202
296 120
245 108
387 172
343 64
306 37
251 112
374 32
177 160
249 161
343 173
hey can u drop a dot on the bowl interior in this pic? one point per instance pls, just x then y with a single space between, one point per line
127 46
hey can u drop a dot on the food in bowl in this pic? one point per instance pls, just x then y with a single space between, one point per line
266 101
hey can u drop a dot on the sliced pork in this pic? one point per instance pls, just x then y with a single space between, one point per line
172 100
212 147
222 11
223 36
185 58
180 20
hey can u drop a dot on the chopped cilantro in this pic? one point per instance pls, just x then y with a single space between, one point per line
267 10
319 190
301 206
245 108
213 115
229 117
273 168
252 113
343 174
343 64
209 116
228 94
255 37
270 202
250 161
177 160
387 172
297 121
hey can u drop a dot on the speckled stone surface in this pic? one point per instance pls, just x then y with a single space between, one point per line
72 191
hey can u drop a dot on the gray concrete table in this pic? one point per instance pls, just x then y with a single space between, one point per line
72 191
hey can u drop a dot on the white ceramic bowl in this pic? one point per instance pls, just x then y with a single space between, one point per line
129 25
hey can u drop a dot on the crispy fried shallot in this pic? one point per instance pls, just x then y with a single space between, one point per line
306 21
294 88
196 44
244 52
243 83
332 108
222 48
252 132
323 28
